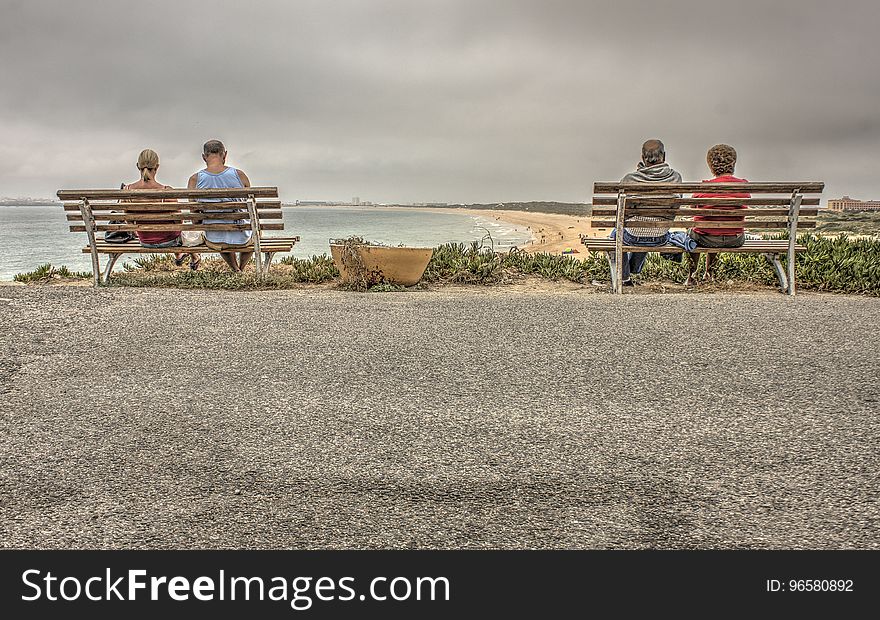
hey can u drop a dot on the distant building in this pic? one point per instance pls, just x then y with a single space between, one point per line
851 204
355 202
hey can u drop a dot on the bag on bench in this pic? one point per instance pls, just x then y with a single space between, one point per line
192 238
119 236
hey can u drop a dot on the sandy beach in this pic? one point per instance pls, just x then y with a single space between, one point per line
551 233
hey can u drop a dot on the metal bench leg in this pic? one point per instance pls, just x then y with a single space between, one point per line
618 244
85 210
255 235
793 213
111 260
773 259
608 255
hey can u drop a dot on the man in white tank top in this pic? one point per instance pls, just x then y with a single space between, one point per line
218 175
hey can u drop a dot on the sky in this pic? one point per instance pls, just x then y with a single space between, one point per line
437 100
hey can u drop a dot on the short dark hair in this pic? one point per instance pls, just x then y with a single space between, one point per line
721 159
213 147
653 152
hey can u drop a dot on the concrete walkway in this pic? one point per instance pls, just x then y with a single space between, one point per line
459 418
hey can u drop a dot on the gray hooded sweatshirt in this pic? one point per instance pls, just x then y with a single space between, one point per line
657 173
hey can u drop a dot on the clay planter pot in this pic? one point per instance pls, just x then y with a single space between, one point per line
403 266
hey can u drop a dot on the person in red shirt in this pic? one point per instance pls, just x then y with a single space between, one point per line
722 161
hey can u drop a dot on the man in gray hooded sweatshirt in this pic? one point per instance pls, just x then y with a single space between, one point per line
652 169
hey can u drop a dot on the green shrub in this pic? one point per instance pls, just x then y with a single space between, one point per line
840 264
151 262
477 265
314 270
555 267
203 280
837 264
46 273
456 262
159 270
849 222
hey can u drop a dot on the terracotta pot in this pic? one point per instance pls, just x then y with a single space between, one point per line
403 266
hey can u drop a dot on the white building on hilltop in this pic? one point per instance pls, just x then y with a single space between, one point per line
851 204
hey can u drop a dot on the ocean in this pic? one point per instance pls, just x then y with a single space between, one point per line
33 236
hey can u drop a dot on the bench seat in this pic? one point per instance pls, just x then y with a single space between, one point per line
267 246
751 246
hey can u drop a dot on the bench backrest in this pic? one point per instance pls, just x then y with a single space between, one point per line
772 205
93 210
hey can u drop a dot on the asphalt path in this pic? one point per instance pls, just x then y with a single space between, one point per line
454 418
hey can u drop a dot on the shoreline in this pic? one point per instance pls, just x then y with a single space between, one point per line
551 233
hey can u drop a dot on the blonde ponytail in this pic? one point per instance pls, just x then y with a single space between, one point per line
147 163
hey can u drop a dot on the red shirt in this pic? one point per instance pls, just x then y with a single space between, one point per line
725 178
157 236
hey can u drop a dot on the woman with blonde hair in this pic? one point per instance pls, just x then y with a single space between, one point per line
148 165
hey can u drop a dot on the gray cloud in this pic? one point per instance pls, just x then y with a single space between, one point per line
440 100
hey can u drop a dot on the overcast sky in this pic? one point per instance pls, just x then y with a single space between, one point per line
437 100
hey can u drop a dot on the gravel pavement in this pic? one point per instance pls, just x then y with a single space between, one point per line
454 418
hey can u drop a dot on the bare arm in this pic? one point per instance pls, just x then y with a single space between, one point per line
245 181
191 184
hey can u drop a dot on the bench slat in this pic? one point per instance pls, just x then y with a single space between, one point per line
805 187
158 194
675 250
604 212
175 217
159 206
173 227
658 201
266 245
750 246
751 224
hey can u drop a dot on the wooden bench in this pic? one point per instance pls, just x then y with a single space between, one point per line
96 211
772 206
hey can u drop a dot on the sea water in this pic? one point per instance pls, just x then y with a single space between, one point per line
33 236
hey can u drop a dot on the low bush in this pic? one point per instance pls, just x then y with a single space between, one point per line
849 222
314 270
836 264
46 273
